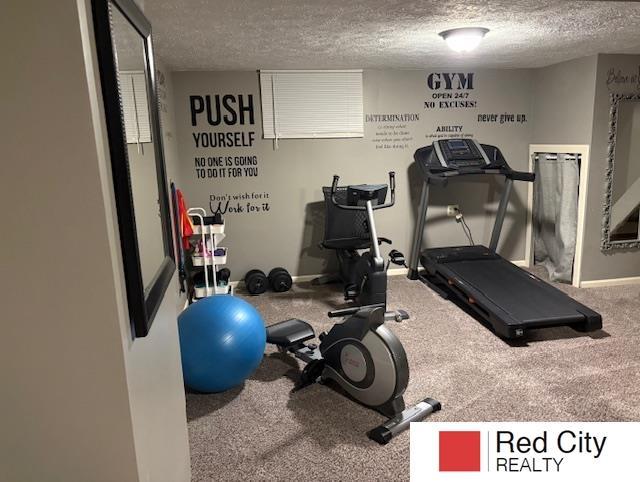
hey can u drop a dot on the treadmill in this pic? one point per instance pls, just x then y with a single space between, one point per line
508 298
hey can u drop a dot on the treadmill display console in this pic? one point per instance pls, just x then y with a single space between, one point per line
460 153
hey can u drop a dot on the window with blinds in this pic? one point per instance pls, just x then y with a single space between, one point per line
135 108
311 103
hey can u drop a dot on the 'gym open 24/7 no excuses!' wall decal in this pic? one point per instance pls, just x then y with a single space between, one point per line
211 117
455 91
446 92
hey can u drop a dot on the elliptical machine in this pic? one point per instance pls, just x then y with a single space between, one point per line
364 358
350 227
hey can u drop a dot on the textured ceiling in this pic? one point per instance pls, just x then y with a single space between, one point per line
330 34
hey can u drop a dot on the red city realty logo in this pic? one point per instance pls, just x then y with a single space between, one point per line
459 451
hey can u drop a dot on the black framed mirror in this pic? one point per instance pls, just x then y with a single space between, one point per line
127 75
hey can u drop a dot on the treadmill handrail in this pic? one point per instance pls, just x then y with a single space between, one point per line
442 175
437 174
521 176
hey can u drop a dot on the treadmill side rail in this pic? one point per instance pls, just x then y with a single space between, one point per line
505 296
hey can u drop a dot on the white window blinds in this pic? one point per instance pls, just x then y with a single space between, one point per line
135 108
311 103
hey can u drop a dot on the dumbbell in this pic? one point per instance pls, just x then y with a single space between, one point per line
222 276
256 282
280 280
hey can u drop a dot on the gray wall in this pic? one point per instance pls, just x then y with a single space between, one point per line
154 368
168 122
82 401
617 264
571 105
65 403
563 102
293 175
566 103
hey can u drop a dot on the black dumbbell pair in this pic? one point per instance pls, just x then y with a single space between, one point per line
279 280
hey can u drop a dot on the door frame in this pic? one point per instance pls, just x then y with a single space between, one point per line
583 150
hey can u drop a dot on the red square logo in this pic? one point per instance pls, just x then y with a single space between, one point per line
459 451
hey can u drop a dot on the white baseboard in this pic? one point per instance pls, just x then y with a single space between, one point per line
391 272
397 271
310 277
633 280
296 279
304 278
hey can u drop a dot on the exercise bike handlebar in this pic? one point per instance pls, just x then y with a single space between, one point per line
392 188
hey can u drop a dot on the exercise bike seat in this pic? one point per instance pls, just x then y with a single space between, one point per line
289 332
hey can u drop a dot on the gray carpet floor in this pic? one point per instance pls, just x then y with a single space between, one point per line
262 431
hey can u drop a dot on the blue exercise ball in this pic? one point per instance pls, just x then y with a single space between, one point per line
222 340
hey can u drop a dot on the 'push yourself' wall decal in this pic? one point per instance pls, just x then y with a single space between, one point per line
221 111
223 131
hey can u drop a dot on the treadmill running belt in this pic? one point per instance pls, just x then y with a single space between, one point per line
517 292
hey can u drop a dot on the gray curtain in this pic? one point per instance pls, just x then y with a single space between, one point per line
555 213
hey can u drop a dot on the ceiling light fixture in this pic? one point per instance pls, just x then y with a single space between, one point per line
464 39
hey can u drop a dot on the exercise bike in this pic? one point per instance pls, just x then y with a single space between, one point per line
350 227
364 359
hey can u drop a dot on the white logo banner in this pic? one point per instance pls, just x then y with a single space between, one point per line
540 451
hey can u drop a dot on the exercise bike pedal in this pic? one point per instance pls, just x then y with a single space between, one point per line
350 293
400 316
310 374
